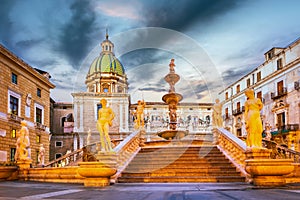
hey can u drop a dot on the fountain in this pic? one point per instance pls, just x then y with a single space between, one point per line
172 99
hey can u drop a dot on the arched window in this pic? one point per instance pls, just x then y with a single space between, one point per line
105 88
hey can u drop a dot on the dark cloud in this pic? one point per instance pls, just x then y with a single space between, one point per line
6 23
232 75
28 43
60 82
135 60
77 33
178 15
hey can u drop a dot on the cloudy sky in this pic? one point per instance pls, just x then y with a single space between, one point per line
214 42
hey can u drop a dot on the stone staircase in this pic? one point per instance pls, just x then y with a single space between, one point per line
180 164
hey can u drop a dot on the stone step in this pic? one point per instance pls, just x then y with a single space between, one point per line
165 154
180 158
180 174
181 169
179 163
172 179
170 149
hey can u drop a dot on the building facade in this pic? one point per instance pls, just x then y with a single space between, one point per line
276 82
25 95
195 117
63 139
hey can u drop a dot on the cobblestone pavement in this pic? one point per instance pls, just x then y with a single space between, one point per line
168 191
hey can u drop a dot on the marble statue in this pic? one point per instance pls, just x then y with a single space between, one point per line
88 138
41 156
172 65
217 120
139 122
268 132
23 143
105 118
252 120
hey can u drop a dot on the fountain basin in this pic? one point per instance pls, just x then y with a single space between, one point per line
172 134
172 97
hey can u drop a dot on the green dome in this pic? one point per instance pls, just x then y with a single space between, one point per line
106 62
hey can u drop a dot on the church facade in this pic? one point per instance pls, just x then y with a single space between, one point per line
107 79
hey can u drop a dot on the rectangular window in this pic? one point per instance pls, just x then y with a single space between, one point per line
13 133
270 55
259 95
14 105
57 155
226 113
58 144
280 120
279 64
248 82
14 78
38 139
38 115
226 95
238 106
38 92
12 154
239 132
238 88
280 87
258 76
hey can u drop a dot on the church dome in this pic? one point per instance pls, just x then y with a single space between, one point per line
106 73
106 62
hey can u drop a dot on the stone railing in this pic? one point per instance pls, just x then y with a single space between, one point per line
126 151
66 160
232 147
281 152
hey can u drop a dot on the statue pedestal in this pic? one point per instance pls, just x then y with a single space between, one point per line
24 166
266 171
257 153
97 174
142 137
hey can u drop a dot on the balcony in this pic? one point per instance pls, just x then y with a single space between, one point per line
286 128
280 93
238 111
40 126
15 118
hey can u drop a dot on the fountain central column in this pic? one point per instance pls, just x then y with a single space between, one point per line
172 99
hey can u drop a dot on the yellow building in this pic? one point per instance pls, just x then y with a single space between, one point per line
25 95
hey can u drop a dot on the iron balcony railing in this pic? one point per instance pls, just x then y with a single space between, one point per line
280 93
238 111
